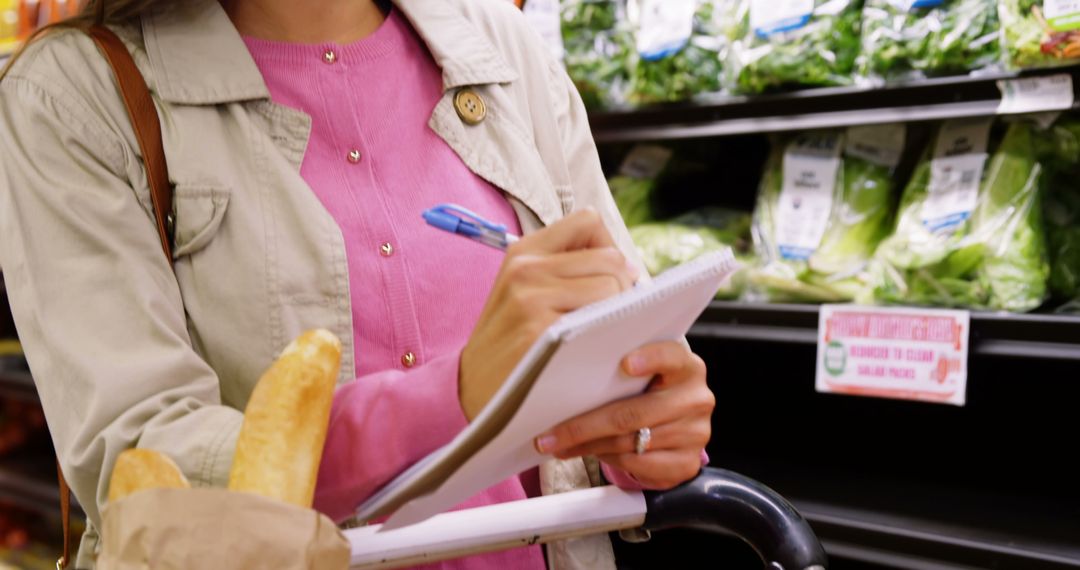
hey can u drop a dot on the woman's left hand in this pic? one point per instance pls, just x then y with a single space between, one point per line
677 408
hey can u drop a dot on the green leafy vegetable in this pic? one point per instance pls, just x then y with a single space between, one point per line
821 53
996 259
1061 207
955 36
664 245
634 198
599 50
1031 41
859 219
693 70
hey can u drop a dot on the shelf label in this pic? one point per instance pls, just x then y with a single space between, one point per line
811 164
1035 94
896 353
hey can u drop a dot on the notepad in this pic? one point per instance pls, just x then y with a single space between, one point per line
574 367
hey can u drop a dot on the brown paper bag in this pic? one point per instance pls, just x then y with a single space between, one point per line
189 529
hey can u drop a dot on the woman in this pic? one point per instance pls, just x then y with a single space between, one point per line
303 140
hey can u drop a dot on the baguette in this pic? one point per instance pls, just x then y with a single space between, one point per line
281 440
142 469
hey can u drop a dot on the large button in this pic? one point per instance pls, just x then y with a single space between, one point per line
354 156
386 249
329 56
408 360
470 107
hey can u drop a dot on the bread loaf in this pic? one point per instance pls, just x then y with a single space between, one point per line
281 441
141 469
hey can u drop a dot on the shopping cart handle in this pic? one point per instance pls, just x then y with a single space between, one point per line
725 502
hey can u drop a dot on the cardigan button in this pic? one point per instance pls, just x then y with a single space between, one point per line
408 360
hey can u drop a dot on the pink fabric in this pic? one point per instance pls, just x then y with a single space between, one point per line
425 297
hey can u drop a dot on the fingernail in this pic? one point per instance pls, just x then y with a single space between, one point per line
633 270
636 364
545 443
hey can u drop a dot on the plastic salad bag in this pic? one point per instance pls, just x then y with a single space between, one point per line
598 50
906 39
1040 33
634 187
681 45
1061 208
664 245
969 231
825 203
796 42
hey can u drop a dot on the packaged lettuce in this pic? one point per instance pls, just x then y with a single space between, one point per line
664 245
598 50
681 45
824 205
969 231
634 187
905 39
1040 33
1061 208
796 42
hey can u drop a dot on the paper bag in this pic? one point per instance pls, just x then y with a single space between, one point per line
188 529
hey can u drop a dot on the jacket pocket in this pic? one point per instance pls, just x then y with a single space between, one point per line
199 212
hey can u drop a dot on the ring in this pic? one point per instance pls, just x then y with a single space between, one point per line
642 440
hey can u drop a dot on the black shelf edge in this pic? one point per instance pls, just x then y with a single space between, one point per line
919 544
1037 336
937 99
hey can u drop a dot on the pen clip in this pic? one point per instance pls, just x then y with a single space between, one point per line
450 217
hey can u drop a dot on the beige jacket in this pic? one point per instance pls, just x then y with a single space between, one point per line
127 353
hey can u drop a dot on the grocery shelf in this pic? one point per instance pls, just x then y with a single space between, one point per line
932 99
1038 336
15 379
28 480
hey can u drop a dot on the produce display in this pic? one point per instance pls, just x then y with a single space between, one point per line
598 49
1040 33
970 231
809 43
904 40
824 204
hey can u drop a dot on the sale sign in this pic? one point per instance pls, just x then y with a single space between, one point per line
901 353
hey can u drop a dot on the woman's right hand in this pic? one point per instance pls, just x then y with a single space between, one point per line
565 266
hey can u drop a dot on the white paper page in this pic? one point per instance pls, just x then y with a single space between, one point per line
582 375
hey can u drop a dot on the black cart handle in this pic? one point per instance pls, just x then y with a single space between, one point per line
725 502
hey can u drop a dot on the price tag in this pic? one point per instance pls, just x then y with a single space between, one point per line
1035 94
645 161
900 354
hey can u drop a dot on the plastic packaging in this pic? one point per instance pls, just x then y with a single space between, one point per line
795 43
664 245
598 50
1061 209
969 231
824 205
681 46
904 40
1040 33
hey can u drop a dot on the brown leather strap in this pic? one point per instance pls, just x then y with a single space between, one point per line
144 118
147 126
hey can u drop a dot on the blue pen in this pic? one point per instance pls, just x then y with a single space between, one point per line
458 220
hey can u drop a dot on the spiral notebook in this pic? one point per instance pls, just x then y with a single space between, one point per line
571 369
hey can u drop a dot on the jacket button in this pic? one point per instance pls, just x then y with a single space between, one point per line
470 107
408 360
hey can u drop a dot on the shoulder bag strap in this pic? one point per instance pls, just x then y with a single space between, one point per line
144 119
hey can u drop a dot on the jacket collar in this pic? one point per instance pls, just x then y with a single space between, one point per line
198 58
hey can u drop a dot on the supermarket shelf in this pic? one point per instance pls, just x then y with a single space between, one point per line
28 480
15 380
1052 337
934 99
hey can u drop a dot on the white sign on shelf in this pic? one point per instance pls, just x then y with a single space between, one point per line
1036 94
896 353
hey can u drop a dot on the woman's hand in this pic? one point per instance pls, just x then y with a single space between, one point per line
677 407
565 266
